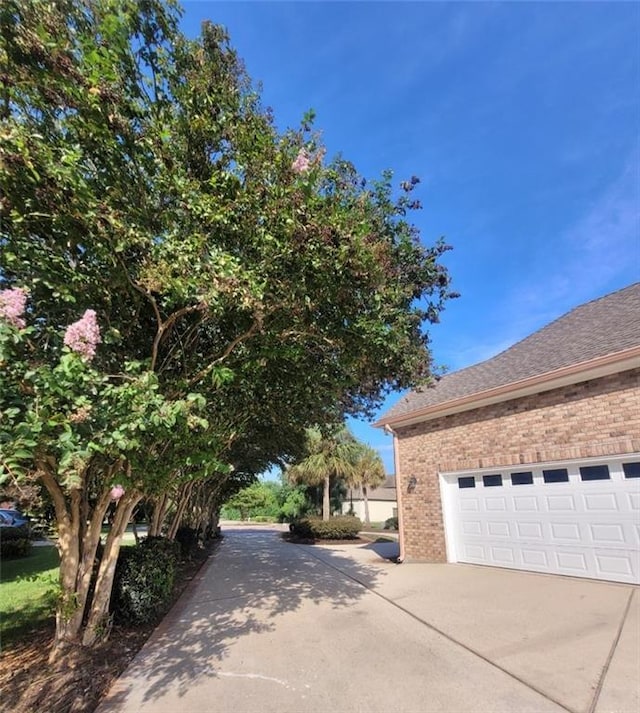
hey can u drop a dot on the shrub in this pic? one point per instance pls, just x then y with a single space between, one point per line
144 580
187 538
14 542
391 523
163 546
345 527
14 533
12 549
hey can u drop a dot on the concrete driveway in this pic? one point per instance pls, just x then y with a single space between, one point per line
275 627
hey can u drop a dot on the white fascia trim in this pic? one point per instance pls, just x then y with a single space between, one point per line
447 498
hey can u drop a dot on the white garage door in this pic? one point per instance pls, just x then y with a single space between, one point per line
580 519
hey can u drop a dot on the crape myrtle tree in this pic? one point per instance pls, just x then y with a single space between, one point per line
256 445
243 286
92 439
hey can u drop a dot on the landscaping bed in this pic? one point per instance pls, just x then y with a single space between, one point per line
28 683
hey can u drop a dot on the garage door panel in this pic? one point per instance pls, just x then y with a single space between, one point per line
561 531
560 503
504 556
526 504
472 527
498 529
607 534
475 553
534 559
586 528
529 530
575 562
599 502
613 567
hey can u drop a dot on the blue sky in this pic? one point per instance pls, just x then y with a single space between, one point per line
522 120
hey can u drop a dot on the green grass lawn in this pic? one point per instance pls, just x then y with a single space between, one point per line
28 590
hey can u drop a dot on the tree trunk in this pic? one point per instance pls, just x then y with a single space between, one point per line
68 612
185 494
326 498
365 498
77 545
160 507
213 516
97 628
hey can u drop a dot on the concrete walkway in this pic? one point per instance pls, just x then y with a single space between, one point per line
275 627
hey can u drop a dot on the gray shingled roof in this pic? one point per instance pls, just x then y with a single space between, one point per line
386 491
604 326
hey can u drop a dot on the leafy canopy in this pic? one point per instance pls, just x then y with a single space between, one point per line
142 178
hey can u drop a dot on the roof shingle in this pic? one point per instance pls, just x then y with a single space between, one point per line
386 491
604 326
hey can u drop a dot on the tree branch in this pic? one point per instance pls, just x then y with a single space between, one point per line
54 489
230 347
165 326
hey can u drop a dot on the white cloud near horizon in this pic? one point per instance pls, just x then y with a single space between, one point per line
599 252
601 247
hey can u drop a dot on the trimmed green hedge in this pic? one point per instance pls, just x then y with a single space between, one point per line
14 542
187 538
144 580
345 527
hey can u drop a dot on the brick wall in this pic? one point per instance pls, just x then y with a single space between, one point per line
593 418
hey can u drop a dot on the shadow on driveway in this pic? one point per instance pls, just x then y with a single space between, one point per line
385 549
252 580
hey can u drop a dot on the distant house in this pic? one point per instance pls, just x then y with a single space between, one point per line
531 460
382 501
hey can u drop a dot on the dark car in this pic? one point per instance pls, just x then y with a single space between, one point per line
13 518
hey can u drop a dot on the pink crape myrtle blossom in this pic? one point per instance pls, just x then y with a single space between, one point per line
302 162
117 492
12 305
83 336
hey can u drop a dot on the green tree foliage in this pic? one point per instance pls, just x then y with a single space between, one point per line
293 501
254 499
280 500
368 472
328 455
245 287
95 441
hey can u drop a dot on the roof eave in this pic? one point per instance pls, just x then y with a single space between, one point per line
573 374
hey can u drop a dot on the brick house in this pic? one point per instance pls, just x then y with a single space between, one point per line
531 459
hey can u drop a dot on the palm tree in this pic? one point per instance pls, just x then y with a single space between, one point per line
328 456
367 472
